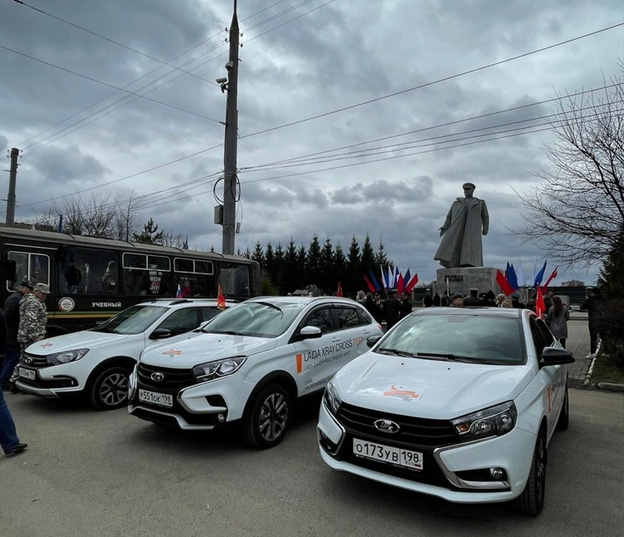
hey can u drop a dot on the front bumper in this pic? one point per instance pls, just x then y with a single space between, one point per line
45 383
450 472
195 407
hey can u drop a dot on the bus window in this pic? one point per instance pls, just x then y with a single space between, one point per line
195 277
29 266
234 279
84 271
146 275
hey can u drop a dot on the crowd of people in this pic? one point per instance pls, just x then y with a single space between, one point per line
556 312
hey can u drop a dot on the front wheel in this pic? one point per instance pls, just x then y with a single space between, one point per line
268 418
531 501
110 389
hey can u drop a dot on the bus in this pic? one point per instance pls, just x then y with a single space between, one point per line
92 279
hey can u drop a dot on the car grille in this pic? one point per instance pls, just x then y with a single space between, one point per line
418 432
174 379
35 361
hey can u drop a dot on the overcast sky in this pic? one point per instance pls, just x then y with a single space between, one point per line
385 108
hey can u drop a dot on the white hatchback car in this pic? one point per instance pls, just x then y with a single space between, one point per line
98 361
250 365
459 403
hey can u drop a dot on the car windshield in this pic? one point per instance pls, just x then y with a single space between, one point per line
259 319
134 320
465 338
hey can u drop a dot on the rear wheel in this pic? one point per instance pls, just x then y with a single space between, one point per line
531 501
564 416
268 418
110 389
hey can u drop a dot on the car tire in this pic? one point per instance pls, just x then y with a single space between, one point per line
109 390
531 501
564 416
268 418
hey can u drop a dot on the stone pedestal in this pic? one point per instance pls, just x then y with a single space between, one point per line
462 279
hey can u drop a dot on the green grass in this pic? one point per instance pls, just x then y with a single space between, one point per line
607 370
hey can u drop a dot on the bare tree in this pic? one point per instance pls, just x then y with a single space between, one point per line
92 216
577 212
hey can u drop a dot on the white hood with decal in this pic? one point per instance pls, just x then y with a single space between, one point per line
205 348
85 339
432 389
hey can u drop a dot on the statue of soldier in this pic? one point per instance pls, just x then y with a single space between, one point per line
466 221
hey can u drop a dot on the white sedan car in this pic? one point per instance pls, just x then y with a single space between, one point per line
459 403
250 365
97 362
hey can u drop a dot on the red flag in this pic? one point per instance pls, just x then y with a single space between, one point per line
339 290
220 299
412 283
369 284
540 305
503 283
550 278
400 284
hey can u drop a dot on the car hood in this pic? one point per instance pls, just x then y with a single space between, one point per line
427 388
205 348
78 340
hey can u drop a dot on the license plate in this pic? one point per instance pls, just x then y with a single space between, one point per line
26 373
160 399
388 454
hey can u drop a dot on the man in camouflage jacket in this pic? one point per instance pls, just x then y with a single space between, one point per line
33 316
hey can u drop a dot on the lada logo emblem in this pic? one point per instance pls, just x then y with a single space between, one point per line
387 426
157 376
28 360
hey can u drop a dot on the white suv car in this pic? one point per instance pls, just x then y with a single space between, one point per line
250 365
97 362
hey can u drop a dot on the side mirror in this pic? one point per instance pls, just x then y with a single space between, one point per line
309 332
160 333
371 341
555 356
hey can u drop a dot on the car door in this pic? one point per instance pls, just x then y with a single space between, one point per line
554 374
318 359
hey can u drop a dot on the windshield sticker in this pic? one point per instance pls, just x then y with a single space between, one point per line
406 395
172 352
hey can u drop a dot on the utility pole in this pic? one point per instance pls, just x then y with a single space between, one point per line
230 179
10 214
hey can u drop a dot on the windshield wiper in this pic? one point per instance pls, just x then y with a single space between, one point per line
271 306
227 332
396 352
449 357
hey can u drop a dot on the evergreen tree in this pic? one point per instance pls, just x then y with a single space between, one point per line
150 234
291 273
313 266
258 255
611 278
327 268
354 270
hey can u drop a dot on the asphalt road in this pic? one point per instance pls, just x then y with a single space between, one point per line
90 473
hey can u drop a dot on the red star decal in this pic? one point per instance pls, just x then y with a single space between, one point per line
172 352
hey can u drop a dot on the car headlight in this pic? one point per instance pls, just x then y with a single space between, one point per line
331 399
218 368
494 421
66 357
